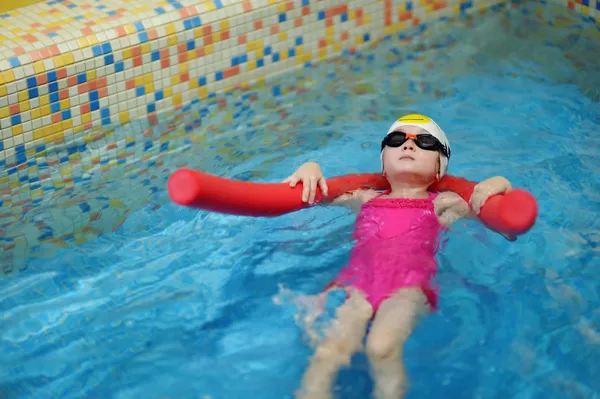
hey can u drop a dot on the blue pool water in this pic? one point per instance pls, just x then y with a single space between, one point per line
179 303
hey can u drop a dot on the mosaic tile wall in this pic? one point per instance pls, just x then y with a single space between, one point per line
73 70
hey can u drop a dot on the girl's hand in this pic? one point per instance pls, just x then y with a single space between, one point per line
310 175
486 189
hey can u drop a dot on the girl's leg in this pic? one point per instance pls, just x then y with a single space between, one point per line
343 339
393 324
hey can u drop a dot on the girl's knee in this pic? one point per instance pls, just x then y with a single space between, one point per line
384 344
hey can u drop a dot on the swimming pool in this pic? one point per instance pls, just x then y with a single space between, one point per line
176 303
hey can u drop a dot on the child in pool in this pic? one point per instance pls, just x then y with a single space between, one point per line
388 279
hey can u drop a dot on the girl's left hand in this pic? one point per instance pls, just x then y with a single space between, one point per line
486 189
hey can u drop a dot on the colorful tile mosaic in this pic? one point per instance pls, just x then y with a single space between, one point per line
82 83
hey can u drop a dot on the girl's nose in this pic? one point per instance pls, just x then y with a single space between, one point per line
409 145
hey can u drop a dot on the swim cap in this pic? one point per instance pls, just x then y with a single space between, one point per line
431 127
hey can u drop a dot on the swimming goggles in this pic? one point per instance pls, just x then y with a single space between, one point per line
424 141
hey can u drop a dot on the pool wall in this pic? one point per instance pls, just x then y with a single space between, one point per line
72 71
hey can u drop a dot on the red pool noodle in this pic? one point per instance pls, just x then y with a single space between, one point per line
512 213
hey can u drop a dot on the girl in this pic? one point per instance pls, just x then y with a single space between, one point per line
388 279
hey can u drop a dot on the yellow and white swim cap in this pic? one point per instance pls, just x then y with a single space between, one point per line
432 128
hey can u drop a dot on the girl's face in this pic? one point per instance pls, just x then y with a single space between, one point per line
409 161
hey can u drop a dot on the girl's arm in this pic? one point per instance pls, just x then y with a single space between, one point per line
353 200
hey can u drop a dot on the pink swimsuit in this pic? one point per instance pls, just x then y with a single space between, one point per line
397 239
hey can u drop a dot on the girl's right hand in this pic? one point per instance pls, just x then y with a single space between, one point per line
310 175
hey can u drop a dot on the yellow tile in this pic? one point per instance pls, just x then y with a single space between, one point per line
177 99
175 80
139 81
191 54
216 36
3 91
86 118
282 36
251 65
260 53
281 8
92 39
168 92
56 136
172 40
1 79
91 74
359 39
38 133
44 100
78 129
283 55
170 29
337 47
45 110
209 5
194 84
37 193
68 124
456 8
322 53
329 31
83 43
8 76
149 88
38 67
366 19
127 53
3 112
65 104
148 78
35 113
58 61
124 117
24 106
208 49
306 57
56 127
585 10
68 58
145 48
183 67
351 14
203 92
129 28
271 2
16 130
23 95
197 32
254 45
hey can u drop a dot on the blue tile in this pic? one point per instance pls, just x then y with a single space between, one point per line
33 93
366 37
151 108
321 14
218 3
202 81
66 114
109 59
291 52
106 48
97 50
143 37
299 41
94 105
81 78
196 22
282 17
191 45
275 57
243 58
140 91
111 13
305 3
54 97
260 63
159 10
85 207
159 95
51 76
187 24
155 55
219 75
105 121
52 87
267 50
15 119
344 17
234 61
94 95
119 66
55 107
14 62
138 26
409 6
276 90
104 113
31 82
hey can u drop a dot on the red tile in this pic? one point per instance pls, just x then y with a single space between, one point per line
258 25
61 73
242 39
137 61
63 94
72 81
130 84
82 88
56 117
